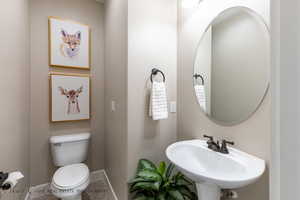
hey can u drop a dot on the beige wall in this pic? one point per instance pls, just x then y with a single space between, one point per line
116 90
87 12
253 135
14 116
139 36
152 42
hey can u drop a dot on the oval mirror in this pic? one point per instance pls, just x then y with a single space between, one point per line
231 69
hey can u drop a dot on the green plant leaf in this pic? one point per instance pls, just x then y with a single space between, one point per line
187 180
162 168
161 196
183 181
175 194
166 183
161 183
145 164
177 176
135 180
157 184
148 186
149 175
169 170
141 196
186 191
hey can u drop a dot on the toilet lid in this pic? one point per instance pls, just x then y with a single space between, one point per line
71 175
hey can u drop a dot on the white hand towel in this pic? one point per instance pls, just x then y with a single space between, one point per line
201 97
158 108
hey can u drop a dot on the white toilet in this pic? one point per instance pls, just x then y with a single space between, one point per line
72 178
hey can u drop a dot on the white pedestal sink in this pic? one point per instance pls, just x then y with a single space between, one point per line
213 171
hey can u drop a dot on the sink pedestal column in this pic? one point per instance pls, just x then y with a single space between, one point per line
208 191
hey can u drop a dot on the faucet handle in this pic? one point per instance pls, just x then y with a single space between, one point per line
227 142
211 144
224 148
209 137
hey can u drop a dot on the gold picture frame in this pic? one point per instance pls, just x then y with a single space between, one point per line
51 74
51 45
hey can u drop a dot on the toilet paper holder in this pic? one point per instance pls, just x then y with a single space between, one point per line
3 177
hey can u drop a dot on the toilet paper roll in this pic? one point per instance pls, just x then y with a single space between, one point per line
13 179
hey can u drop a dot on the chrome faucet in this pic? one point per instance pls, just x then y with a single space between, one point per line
215 146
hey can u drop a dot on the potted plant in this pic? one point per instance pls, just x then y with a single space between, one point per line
160 183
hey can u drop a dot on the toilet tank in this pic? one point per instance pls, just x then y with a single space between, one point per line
69 149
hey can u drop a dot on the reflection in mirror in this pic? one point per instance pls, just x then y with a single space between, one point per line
231 69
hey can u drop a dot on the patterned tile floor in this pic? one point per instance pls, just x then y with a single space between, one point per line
98 190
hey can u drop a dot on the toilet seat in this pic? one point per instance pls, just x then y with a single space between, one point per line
71 176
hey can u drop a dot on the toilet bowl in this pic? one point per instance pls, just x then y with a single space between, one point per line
72 178
70 181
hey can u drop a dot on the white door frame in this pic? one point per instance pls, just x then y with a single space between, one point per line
285 87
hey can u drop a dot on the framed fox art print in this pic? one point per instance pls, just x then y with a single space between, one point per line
69 97
69 44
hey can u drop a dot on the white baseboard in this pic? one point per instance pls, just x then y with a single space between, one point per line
40 190
27 196
110 186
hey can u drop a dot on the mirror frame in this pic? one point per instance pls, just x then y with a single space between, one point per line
261 18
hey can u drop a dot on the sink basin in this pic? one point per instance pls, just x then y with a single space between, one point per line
213 171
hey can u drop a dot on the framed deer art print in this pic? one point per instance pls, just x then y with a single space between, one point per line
69 44
69 97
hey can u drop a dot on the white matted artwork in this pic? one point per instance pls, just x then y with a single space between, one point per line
70 97
69 44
